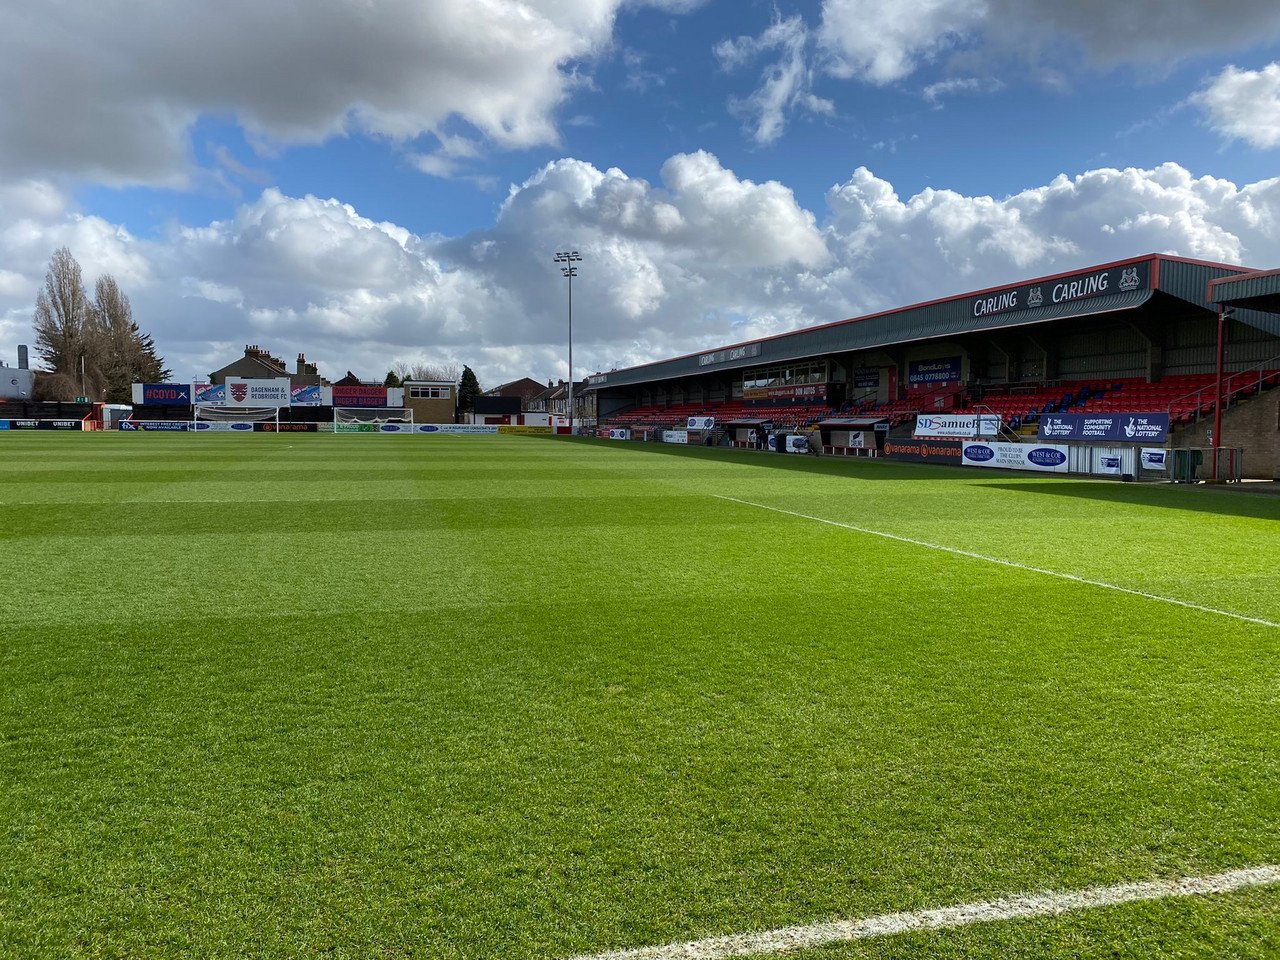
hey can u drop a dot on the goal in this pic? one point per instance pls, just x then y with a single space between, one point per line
369 419
209 416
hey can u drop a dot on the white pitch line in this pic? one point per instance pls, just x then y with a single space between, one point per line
1007 563
1051 904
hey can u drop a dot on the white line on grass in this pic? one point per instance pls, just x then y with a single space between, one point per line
1005 563
810 935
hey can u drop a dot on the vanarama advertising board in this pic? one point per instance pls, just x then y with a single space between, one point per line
924 451
1042 457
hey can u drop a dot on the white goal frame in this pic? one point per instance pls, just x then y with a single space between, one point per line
368 419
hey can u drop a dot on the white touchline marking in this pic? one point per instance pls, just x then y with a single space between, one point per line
785 939
1006 563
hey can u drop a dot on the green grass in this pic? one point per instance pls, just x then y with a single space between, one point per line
509 697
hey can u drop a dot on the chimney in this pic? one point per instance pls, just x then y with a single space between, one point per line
302 364
22 356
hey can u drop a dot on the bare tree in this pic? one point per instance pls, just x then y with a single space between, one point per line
65 325
419 370
129 355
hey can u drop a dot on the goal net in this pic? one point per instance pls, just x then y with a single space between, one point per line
368 419
207 416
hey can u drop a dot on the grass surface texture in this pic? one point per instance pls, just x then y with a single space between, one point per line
304 696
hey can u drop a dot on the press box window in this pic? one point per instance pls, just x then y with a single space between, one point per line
429 393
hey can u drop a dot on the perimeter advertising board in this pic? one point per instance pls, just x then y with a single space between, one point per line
924 451
42 425
171 426
1110 427
702 423
675 436
1043 457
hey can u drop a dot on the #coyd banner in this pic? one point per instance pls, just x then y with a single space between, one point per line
154 394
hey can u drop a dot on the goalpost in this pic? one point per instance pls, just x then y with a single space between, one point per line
219 417
369 419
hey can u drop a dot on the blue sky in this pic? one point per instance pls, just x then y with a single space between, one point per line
369 183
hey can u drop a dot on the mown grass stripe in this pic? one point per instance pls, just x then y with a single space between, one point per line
1005 563
1024 906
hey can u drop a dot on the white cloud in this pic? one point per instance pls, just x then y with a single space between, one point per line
786 84
1244 104
882 42
936 92
701 259
109 91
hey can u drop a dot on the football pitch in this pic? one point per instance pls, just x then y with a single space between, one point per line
367 697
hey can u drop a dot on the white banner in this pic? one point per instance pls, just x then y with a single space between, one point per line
1044 457
675 436
418 429
1154 458
957 425
797 443
453 428
1107 464
257 393
702 423
619 433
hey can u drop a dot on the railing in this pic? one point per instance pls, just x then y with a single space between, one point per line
1232 387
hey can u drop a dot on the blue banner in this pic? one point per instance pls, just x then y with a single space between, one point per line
1105 427
866 378
167 393
211 393
305 396
928 373
155 425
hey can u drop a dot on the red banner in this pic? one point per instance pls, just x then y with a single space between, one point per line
808 391
359 396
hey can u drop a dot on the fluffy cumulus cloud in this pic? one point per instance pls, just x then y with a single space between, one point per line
110 90
1244 104
702 258
882 42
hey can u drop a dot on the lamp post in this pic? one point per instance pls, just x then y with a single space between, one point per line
568 259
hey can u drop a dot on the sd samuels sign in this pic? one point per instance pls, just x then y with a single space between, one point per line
957 425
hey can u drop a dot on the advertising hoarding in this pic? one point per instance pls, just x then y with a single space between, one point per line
1041 457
